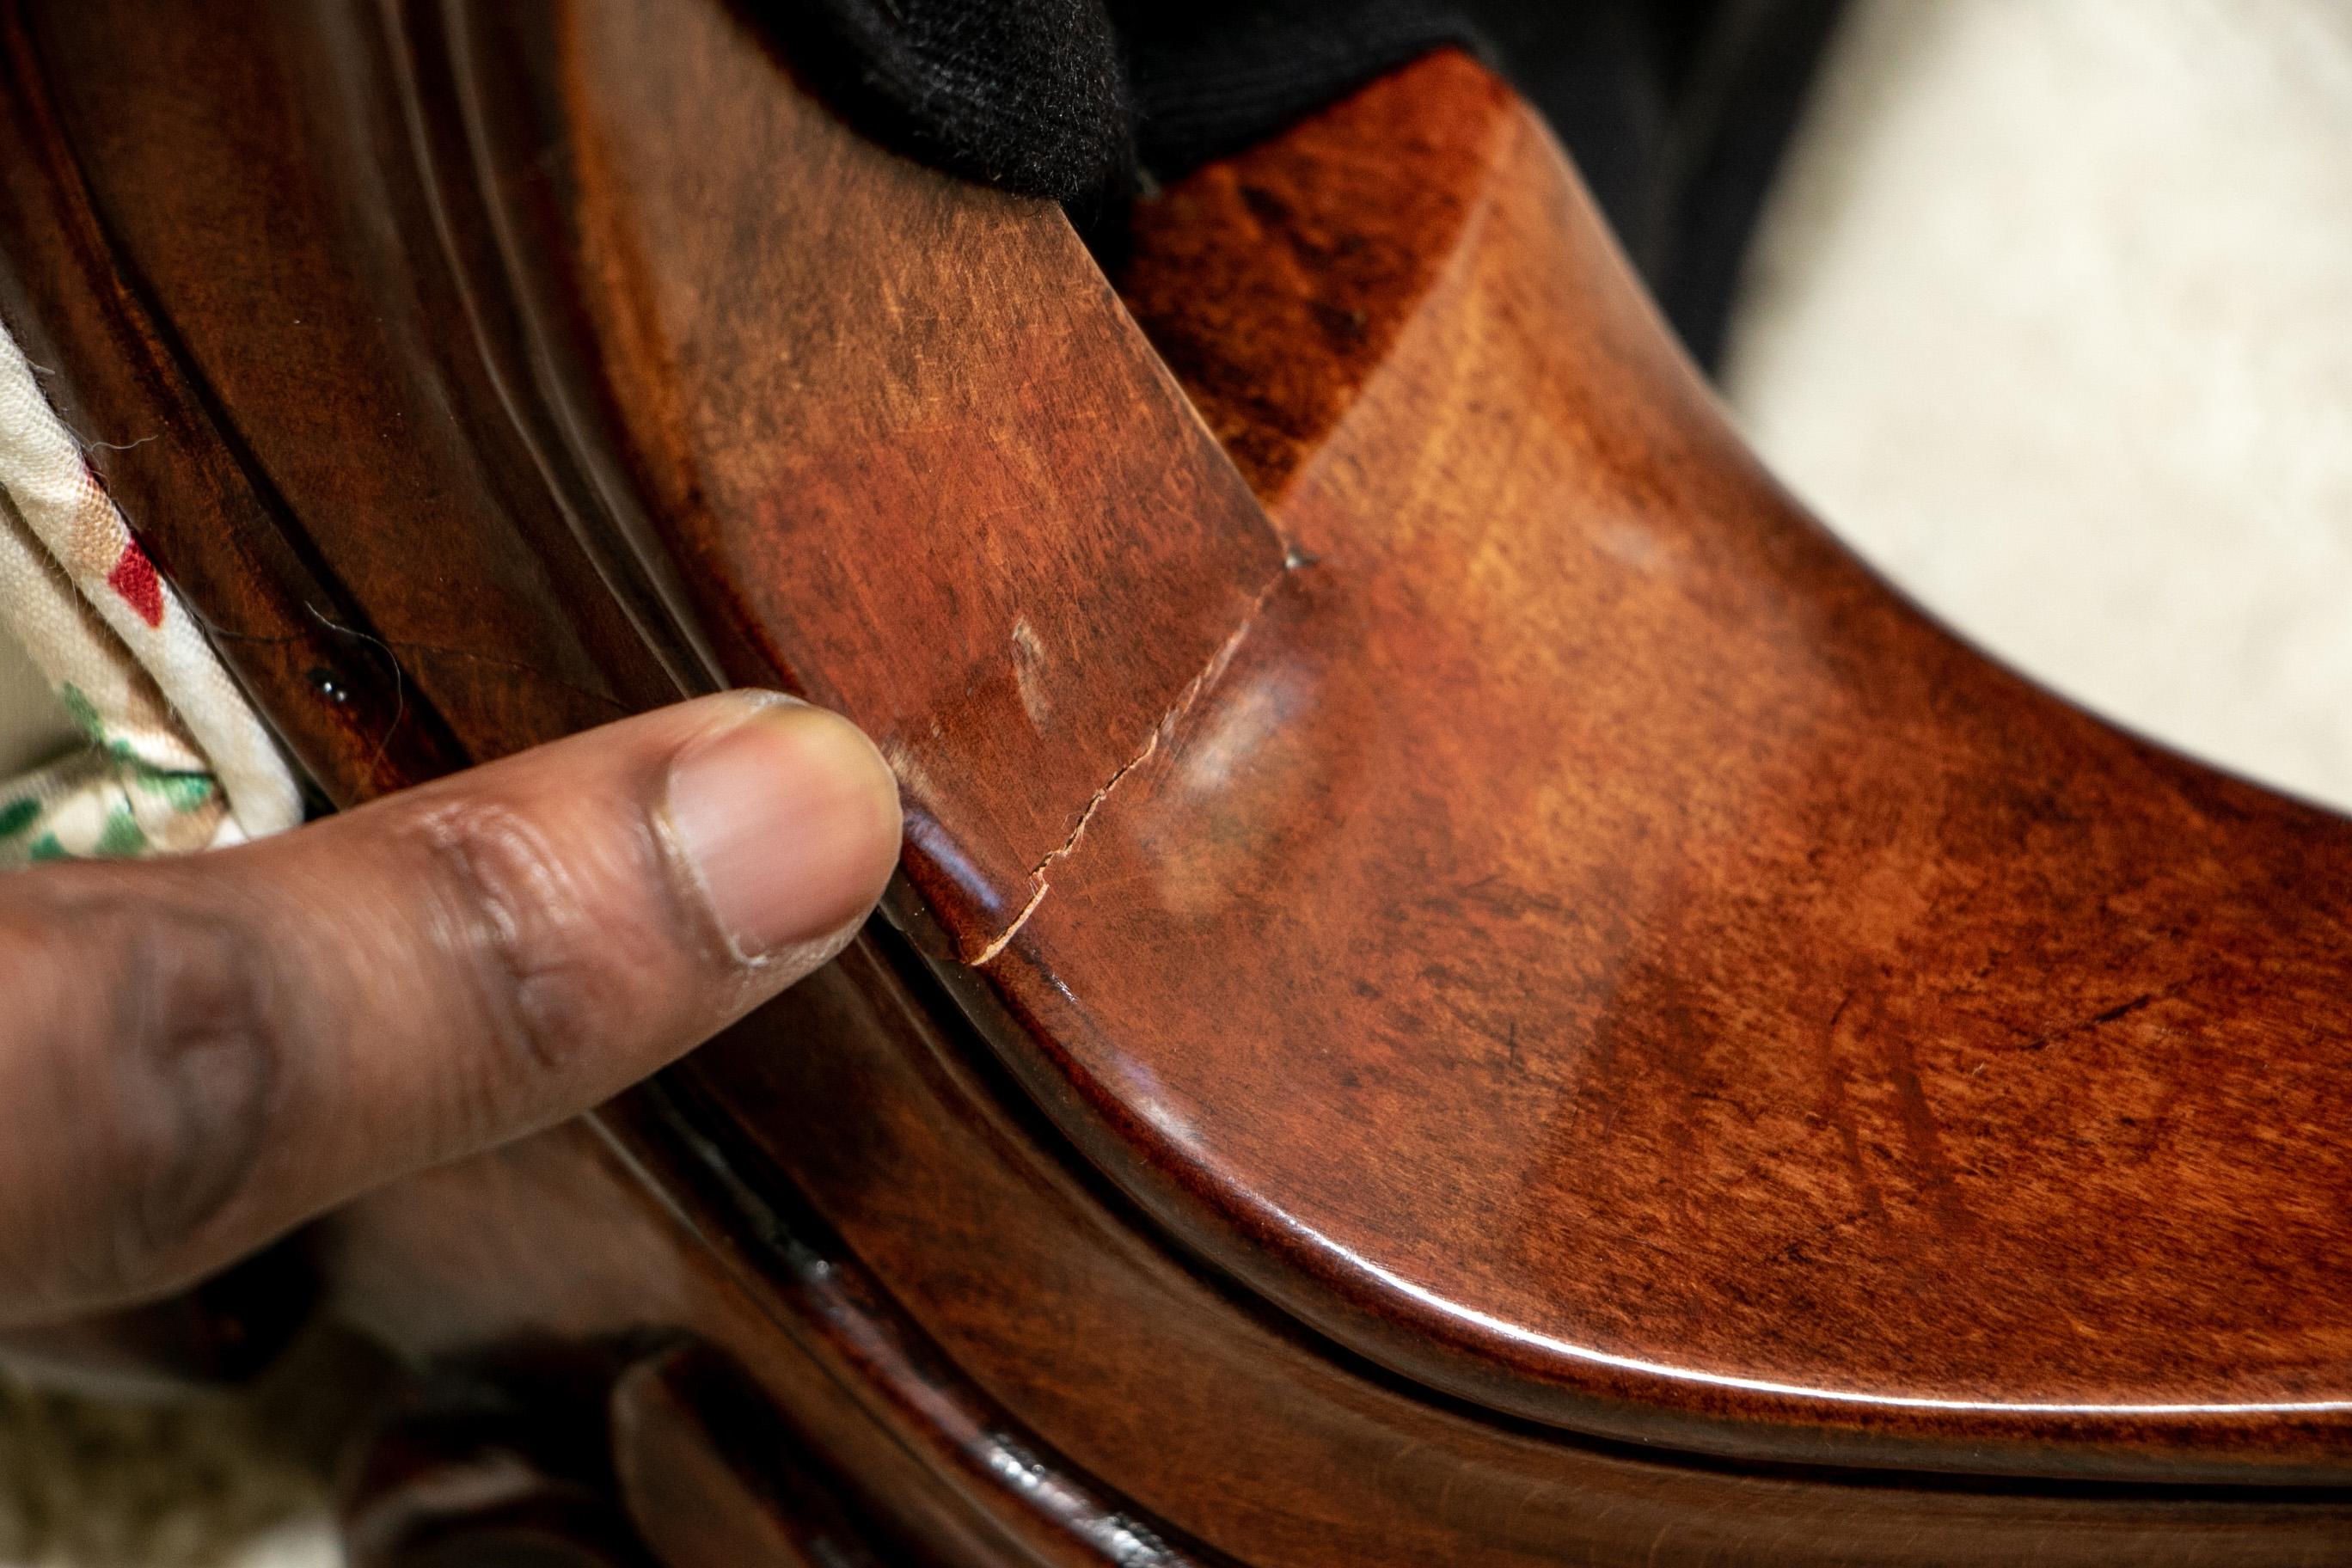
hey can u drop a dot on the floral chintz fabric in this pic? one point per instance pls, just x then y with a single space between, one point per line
170 756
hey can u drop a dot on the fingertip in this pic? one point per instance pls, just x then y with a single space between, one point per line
787 819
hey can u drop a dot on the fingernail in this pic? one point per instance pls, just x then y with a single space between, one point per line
790 821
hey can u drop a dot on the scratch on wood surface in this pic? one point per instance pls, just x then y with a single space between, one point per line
1210 673
1028 662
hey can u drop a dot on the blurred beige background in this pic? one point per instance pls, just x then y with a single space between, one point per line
2051 318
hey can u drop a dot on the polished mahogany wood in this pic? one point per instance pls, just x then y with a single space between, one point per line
1120 1362
798 401
1275 284
1472 990
1599 951
714 1480
609 1453
1061 1299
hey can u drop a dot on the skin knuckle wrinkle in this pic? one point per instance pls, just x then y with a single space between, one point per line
167 1058
541 971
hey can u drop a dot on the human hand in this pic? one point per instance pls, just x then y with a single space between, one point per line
198 1054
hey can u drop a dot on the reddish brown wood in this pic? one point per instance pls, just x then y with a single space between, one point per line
1253 1436
1511 889
606 1454
582 1236
1597 951
1275 285
714 1480
1065 1303
1095 550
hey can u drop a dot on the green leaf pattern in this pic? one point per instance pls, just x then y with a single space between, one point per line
105 800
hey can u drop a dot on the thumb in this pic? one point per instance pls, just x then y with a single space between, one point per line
199 1054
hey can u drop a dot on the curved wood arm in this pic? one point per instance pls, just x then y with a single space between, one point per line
1601 951
1492 936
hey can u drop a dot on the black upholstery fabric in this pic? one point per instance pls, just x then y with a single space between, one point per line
1209 78
1027 95
1675 111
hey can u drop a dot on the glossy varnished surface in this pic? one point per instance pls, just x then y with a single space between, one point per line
1275 285
1099 1357
1524 941
984 519
1570 933
1219 1415
1599 951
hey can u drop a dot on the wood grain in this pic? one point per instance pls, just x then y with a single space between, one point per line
1485 993
1599 952
1013 638
714 1480
1270 1443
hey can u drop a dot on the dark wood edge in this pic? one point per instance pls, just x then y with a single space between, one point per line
790 1261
